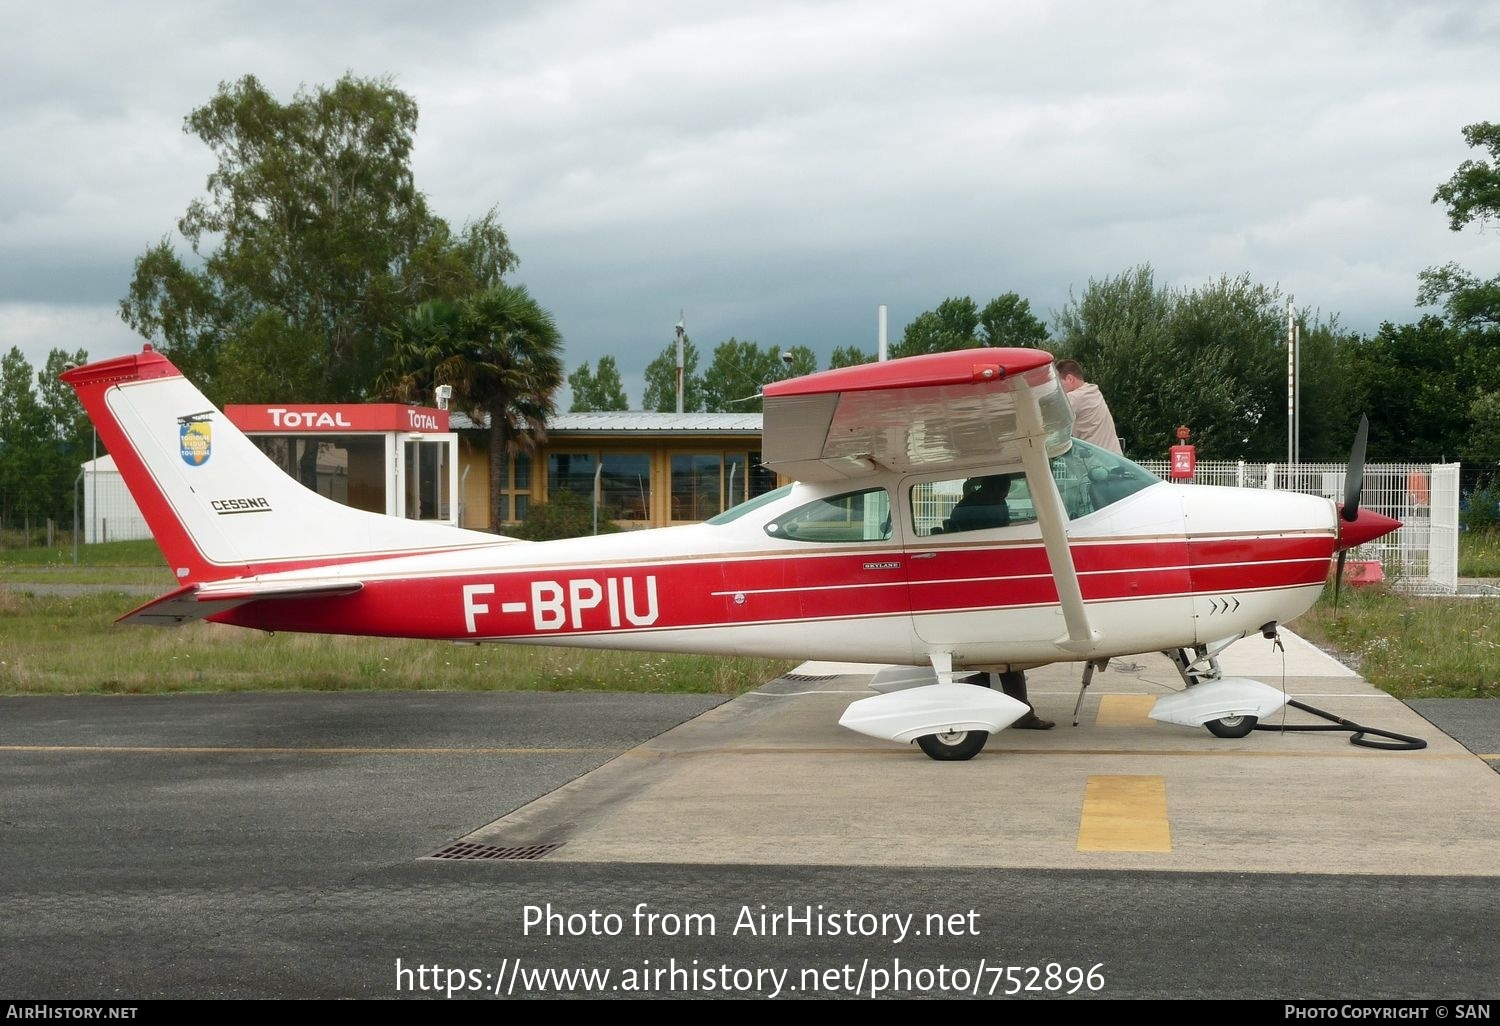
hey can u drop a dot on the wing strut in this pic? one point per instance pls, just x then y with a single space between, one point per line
1053 519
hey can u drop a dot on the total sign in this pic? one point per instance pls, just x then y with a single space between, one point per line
344 417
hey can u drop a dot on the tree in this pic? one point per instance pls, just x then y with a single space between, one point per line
959 323
953 325
849 356
601 390
23 441
1416 381
66 431
1210 358
502 354
1482 446
1465 297
661 380
1472 194
1007 321
565 514
1331 392
312 237
740 370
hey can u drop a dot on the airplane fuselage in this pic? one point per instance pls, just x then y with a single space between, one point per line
1166 567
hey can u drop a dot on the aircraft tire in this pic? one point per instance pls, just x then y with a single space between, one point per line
1231 726
955 747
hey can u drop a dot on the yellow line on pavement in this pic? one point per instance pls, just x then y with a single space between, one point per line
1124 814
1125 711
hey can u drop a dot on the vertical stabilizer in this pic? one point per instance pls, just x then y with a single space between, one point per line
217 506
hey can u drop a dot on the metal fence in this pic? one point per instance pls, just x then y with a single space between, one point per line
1421 557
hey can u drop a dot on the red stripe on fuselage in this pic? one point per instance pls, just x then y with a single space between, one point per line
549 602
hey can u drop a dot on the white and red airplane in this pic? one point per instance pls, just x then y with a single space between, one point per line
942 521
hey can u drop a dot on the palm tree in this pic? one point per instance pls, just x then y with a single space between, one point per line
501 352
426 337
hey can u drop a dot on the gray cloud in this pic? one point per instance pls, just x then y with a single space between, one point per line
780 170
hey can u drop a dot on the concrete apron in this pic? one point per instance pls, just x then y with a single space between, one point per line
771 778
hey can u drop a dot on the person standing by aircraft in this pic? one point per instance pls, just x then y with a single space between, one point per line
1093 423
1013 683
1092 420
983 506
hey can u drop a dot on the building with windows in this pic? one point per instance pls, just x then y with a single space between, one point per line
651 469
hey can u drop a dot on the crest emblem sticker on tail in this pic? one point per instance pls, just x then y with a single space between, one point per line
195 440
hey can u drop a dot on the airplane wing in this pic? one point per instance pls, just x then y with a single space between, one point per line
197 601
937 412
933 412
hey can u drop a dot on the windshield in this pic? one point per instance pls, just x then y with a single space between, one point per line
735 512
1091 478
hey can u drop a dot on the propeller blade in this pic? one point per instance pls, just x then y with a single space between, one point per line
1354 476
1338 579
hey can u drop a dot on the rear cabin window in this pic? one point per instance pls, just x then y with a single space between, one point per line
971 504
851 517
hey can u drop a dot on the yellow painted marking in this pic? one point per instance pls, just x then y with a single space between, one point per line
1125 814
1125 711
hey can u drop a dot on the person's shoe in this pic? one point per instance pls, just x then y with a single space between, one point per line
1031 721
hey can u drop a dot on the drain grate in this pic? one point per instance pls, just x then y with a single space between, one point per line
469 850
807 676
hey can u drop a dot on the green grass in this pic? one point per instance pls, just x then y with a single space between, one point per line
124 553
1479 554
137 563
71 645
1411 646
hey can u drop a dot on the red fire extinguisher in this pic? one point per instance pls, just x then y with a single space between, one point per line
1184 456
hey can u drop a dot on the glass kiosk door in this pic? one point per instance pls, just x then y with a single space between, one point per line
427 478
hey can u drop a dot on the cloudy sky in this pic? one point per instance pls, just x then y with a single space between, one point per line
779 170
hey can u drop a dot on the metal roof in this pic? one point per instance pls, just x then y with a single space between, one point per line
638 422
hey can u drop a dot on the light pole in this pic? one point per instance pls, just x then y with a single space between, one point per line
681 338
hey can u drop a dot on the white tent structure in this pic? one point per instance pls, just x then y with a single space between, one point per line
109 513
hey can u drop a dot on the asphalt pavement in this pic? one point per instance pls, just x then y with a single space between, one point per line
550 845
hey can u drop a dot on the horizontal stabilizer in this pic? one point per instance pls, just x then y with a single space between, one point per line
196 602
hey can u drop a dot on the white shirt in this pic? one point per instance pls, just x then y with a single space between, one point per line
1092 420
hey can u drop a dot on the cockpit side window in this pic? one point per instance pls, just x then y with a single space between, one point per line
852 517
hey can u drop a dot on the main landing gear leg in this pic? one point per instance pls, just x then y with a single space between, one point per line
1201 666
1088 678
